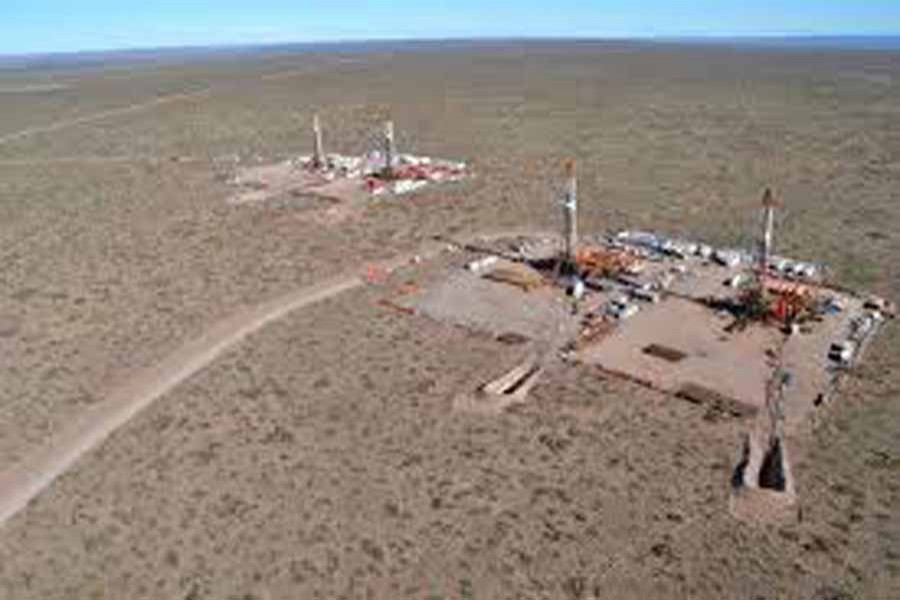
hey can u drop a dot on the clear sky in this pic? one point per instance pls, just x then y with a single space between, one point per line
30 26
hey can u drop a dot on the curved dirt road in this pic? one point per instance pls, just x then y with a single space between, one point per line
21 483
24 481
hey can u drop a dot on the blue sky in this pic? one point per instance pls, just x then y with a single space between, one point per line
28 26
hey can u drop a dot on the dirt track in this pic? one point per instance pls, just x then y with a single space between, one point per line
97 160
18 135
132 108
22 482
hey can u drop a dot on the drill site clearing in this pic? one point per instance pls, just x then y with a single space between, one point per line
344 179
743 333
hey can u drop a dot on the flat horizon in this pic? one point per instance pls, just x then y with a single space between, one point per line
836 41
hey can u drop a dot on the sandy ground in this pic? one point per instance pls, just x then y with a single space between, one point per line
471 301
734 365
322 457
705 280
804 353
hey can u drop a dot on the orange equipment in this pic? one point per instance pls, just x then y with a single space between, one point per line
790 300
606 262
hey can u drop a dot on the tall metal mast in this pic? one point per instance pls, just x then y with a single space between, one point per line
318 153
389 150
766 241
570 217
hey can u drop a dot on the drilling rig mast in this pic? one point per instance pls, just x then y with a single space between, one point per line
764 252
318 160
389 150
570 219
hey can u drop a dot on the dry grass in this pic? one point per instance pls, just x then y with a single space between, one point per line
322 458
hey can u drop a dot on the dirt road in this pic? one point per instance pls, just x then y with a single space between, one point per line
133 108
95 160
24 481
18 135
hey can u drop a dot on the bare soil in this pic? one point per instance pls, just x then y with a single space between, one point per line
470 300
734 365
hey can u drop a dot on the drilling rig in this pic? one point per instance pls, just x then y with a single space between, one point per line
570 220
755 299
389 150
770 297
318 160
764 252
